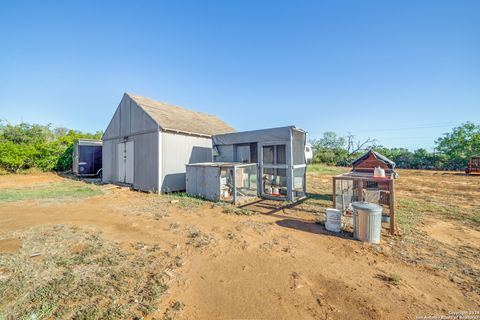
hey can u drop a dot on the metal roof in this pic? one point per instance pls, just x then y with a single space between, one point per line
377 155
271 134
220 164
178 119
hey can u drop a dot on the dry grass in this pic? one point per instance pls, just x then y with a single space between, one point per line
198 238
422 196
237 211
78 275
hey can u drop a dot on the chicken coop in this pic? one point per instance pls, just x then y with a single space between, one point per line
222 181
363 183
279 154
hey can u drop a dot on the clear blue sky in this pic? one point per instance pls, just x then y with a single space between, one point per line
373 68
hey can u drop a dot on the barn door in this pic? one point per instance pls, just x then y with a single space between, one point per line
121 162
129 162
125 162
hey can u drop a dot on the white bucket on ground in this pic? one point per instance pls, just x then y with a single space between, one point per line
334 220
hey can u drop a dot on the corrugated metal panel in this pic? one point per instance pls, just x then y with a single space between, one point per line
125 117
129 119
146 168
140 120
273 134
367 222
109 160
203 181
191 181
177 151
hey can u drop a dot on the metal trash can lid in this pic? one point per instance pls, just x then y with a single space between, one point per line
366 206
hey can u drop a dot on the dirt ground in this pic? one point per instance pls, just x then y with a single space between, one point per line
270 260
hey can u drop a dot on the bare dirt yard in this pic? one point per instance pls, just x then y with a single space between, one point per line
76 250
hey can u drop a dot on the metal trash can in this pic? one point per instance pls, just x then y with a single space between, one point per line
367 221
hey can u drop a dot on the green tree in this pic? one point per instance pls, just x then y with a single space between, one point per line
459 145
14 157
24 146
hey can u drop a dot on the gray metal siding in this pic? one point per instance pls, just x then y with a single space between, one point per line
177 151
109 160
146 167
191 181
129 119
203 182
146 170
226 153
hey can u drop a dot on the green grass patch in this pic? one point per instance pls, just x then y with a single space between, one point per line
186 201
324 169
61 190
410 211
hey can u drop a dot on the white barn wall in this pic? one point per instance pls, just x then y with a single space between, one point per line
177 151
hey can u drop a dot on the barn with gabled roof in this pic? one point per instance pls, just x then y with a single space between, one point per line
148 143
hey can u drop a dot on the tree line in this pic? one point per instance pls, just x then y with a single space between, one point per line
25 146
452 150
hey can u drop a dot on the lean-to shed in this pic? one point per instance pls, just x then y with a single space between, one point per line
148 143
279 154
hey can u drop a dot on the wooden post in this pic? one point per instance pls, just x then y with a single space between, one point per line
392 206
360 190
334 193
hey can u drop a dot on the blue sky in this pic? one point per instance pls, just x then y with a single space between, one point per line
403 72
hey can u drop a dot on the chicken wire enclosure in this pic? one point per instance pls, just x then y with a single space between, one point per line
219 181
279 154
349 188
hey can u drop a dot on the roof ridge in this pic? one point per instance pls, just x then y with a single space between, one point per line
133 96
180 119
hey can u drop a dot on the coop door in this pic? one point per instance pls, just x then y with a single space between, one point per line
125 162
274 171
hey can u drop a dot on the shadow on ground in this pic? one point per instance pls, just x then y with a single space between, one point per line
312 227
70 175
278 210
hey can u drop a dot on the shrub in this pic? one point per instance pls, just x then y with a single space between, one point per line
25 146
14 157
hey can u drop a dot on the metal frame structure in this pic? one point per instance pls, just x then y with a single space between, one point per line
226 148
360 183
210 180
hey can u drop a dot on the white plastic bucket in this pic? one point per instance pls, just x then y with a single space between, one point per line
334 220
